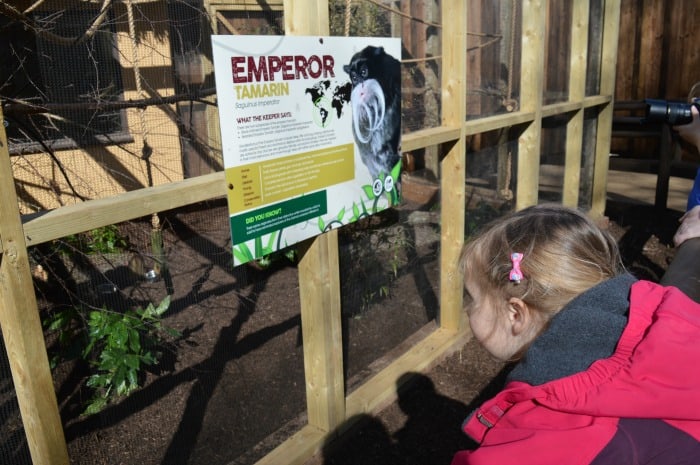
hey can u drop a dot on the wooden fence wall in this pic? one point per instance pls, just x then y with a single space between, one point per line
327 404
658 57
658 53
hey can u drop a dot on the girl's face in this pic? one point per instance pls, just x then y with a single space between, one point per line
493 323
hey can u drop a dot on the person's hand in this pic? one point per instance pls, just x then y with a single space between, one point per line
691 131
690 226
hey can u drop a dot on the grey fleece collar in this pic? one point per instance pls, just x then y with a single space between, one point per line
584 331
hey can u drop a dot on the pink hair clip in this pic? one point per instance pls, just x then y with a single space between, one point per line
515 274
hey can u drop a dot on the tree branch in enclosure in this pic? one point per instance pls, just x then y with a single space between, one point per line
400 13
18 107
41 31
53 156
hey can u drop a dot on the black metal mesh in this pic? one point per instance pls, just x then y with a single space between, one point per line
13 443
231 386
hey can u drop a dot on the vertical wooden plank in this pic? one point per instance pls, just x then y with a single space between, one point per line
611 28
319 277
419 30
577 91
406 30
306 17
556 51
453 169
627 69
690 64
649 60
474 98
22 332
651 48
532 70
663 176
319 290
628 63
681 54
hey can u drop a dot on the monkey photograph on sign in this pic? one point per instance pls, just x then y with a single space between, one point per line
376 108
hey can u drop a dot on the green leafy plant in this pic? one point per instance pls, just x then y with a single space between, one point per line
117 345
121 345
289 254
106 239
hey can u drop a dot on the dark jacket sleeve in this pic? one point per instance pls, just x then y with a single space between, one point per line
651 442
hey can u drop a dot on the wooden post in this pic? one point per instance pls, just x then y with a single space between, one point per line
611 28
666 148
577 91
453 167
22 332
319 278
533 20
319 290
306 17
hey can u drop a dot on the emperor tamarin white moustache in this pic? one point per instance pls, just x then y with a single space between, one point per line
376 107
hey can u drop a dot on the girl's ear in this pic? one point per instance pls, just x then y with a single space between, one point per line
519 315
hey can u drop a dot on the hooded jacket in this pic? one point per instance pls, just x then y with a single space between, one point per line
568 402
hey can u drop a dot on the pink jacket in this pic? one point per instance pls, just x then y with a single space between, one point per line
654 373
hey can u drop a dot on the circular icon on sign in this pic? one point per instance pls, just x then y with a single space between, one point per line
389 184
377 187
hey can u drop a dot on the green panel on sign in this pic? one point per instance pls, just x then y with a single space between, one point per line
276 217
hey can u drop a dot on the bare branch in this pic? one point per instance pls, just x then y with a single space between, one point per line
34 6
12 12
18 107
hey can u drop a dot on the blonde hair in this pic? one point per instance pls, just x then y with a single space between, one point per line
564 254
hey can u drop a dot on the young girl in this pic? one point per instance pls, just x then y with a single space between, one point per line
606 366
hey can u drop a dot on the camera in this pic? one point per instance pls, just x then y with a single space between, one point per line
672 113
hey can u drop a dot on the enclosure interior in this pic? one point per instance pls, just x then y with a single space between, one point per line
132 105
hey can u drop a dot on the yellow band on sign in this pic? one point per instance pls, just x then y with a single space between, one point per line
256 184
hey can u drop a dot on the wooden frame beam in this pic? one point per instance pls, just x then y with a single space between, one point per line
22 331
611 30
453 166
577 91
532 78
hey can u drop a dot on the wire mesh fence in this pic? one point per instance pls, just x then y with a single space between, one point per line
103 98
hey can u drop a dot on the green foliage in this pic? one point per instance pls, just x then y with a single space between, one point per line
106 239
70 337
369 297
378 250
289 254
117 345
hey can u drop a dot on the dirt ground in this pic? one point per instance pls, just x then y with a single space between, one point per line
232 387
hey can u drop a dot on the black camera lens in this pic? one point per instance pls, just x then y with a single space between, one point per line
664 111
